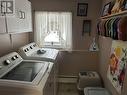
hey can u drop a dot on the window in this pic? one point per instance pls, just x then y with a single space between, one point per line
53 29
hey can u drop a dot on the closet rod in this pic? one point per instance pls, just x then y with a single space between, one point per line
123 13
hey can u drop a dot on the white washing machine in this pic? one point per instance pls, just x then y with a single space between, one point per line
19 77
33 52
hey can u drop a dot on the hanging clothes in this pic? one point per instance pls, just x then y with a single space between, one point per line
111 27
106 28
115 27
122 29
115 32
103 28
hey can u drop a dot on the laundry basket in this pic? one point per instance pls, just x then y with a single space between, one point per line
88 79
95 91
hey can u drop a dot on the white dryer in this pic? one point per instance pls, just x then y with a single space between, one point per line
33 52
19 77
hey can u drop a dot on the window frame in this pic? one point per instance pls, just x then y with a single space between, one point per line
58 45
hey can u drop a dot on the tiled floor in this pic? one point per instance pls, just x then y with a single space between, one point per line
67 89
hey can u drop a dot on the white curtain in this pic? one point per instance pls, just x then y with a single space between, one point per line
63 25
40 27
66 31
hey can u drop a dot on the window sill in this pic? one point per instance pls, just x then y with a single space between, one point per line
54 47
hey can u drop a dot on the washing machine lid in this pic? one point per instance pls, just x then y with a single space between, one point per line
25 71
95 91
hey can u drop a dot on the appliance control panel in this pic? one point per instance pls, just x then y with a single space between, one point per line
28 49
9 60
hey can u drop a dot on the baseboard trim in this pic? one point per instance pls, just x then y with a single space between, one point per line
67 79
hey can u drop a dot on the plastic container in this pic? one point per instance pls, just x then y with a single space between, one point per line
88 79
95 91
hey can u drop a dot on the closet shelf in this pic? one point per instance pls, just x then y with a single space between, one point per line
123 13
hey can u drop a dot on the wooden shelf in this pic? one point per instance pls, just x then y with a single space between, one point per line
123 13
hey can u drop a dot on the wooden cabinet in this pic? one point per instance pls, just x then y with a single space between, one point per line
21 20
14 22
25 13
28 17
2 21
2 24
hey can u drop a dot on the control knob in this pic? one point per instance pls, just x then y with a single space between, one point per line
34 45
7 62
16 56
13 58
31 47
25 50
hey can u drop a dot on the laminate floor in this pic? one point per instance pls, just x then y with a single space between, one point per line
67 89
